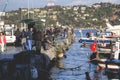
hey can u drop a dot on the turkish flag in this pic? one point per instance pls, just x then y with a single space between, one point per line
93 46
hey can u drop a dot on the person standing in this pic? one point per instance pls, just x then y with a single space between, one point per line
18 37
23 39
38 37
29 40
2 41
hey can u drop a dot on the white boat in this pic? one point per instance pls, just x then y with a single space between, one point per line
109 64
112 64
114 29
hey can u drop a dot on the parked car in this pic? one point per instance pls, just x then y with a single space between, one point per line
10 37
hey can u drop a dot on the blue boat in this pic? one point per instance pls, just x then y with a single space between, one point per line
90 35
89 40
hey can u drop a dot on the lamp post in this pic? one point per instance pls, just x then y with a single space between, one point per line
43 20
28 7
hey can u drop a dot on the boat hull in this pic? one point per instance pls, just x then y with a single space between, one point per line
91 41
109 64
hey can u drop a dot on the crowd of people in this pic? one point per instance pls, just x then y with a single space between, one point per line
27 39
30 38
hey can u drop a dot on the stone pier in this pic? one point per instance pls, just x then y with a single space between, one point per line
61 46
29 65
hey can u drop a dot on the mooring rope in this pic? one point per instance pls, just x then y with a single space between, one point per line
78 67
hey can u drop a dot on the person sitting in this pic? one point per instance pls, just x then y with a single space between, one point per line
87 34
46 42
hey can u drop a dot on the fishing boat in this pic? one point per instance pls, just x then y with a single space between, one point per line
112 75
112 64
91 40
90 37
107 57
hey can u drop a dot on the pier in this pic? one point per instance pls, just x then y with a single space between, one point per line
32 61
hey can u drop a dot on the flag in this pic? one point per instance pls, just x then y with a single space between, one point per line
93 46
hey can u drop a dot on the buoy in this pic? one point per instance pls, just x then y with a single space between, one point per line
60 64
60 55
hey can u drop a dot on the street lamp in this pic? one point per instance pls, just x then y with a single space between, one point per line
43 20
28 7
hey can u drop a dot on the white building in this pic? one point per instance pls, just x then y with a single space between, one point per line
2 14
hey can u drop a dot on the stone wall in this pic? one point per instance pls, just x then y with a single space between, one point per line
60 47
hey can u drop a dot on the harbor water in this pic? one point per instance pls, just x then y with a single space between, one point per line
76 64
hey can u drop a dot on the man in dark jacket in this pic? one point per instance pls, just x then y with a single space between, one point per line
38 37
29 39
18 36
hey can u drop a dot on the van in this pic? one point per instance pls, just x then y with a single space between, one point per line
10 37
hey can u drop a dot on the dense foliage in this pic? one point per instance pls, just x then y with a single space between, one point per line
89 17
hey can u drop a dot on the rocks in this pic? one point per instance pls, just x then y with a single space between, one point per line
25 66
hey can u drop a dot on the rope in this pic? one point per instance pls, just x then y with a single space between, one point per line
76 74
78 67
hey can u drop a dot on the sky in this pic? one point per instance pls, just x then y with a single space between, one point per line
16 4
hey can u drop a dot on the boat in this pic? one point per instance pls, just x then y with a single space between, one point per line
115 30
112 64
91 40
108 58
108 63
91 37
112 75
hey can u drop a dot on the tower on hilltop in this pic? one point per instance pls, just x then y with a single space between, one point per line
51 3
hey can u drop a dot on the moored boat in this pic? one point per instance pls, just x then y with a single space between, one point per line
91 40
109 64
108 58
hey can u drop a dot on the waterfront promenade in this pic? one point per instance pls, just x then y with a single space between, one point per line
10 51
61 43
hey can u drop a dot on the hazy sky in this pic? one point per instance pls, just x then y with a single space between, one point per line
15 4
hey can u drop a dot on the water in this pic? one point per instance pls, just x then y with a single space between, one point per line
76 64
